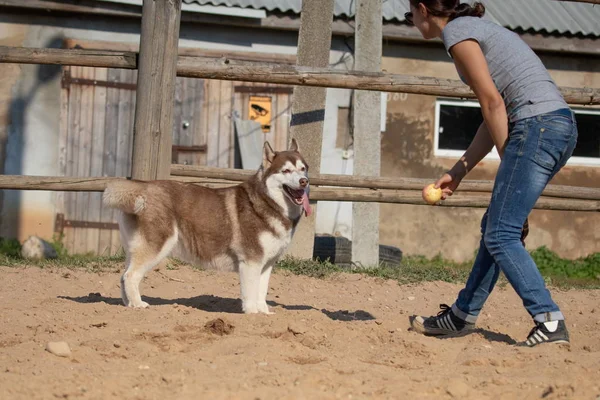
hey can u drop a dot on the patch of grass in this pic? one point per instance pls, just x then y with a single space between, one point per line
86 262
59 246
583 273
8 261
174 264
10 256
421 269
413 269
312 268
10 247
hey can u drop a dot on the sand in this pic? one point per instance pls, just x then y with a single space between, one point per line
343 337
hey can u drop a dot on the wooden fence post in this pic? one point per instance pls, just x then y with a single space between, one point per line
308 105
152 131
367 131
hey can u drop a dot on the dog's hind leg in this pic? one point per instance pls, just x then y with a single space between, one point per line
264 288
142 257
250 274
127 228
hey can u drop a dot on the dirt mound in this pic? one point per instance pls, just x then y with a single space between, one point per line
219 327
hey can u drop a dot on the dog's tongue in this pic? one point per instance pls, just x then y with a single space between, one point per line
306 205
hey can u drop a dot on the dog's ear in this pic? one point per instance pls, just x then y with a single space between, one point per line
294 146
268 155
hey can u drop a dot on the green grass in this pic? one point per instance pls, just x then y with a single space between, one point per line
87 262
314 269
10 247
413 269
581 273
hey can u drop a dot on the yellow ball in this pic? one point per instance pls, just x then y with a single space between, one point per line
431 195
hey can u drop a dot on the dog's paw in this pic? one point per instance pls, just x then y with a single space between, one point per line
140 304
249 308
264 309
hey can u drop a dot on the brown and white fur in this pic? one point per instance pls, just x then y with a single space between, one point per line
245 227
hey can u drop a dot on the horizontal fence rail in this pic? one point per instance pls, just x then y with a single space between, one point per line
322 193
365 182
227 69
224 69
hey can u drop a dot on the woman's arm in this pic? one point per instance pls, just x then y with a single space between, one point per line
480 146
471 63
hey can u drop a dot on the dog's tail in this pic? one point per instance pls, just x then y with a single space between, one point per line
127 196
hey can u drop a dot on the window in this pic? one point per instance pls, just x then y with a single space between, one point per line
457 121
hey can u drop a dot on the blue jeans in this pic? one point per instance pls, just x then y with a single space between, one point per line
538 147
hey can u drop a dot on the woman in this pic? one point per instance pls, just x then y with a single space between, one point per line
534 131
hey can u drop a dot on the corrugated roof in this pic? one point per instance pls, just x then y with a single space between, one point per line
269 5
392 9
546 16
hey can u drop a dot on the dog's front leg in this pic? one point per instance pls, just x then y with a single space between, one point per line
264 288
250 277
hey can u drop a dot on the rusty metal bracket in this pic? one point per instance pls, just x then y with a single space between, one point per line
263 89
60 223
67 80
190 149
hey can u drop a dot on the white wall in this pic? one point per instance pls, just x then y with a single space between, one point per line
334 217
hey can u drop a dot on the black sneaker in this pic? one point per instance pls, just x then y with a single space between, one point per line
445 323
547 332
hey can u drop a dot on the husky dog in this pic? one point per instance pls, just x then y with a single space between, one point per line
246 227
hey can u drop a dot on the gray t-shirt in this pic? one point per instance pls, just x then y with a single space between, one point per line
519 74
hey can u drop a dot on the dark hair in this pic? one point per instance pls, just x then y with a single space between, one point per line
450 8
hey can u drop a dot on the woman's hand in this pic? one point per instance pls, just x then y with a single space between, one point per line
448 184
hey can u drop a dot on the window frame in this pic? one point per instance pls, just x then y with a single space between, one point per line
493 155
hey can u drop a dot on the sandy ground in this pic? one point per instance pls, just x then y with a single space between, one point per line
342 337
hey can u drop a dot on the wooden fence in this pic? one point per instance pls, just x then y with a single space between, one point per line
330 188
158 63
230 69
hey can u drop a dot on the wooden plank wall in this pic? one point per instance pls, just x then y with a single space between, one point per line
99 139
108 240
96 139
281 121
72 156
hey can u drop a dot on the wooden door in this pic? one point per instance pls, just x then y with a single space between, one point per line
96 140
279 99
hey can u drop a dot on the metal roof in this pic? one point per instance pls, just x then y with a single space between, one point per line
547 16
392 9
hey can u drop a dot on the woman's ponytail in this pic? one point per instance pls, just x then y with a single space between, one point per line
467 10
451 8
